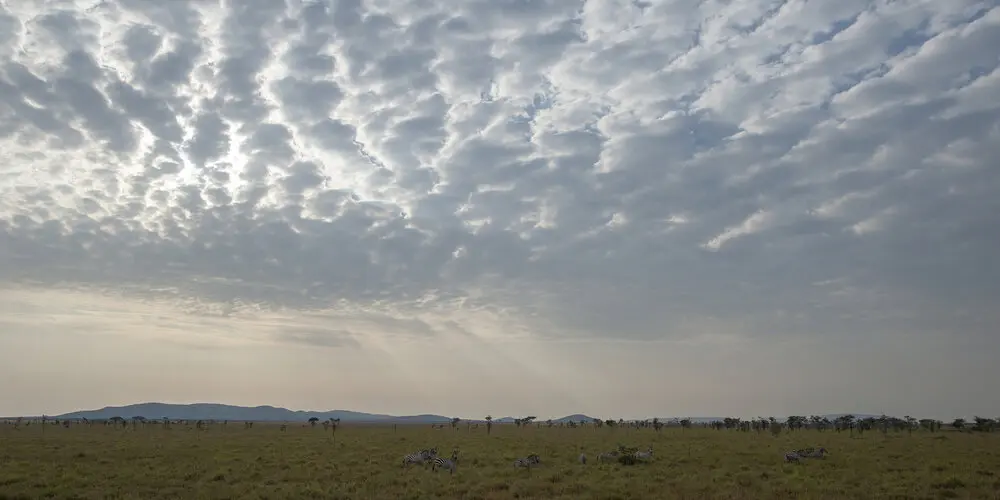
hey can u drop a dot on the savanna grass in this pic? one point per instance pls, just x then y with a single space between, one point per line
364 462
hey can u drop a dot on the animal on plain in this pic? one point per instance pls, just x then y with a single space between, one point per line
445 463
812 453
420 457
527 461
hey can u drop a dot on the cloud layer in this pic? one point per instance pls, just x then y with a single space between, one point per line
679 170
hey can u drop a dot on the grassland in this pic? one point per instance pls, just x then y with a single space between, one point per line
364 462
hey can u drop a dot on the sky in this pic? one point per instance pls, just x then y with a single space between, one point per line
507 207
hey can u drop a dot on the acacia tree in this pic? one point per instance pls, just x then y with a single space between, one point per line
816 421
795 422
983 424
775 428
883 423
333 427
454 422
845 422
489 424
313 421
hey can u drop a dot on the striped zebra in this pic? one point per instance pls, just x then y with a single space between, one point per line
528 461
445 463
608 456
583 458
645 455
792 456
419 457
811 453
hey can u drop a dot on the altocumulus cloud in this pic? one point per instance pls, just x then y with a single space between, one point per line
670 171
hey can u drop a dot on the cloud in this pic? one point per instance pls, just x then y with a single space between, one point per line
671 171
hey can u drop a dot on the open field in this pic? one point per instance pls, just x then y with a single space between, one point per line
364 462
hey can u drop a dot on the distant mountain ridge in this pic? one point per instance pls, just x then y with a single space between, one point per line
213 411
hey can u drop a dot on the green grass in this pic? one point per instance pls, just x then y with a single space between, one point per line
364 462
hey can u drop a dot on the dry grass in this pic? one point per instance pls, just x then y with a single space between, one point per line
364 462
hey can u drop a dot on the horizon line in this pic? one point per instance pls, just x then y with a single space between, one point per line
404 415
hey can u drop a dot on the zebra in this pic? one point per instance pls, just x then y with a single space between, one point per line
608 456
792 456
645 455
583 459
528 461
420 457
811 453
446 463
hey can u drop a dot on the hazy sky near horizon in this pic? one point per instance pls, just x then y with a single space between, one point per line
620 208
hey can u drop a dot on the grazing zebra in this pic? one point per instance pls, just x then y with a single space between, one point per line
645 455
419 457
527 461
608 456
793 457
445 463
811 453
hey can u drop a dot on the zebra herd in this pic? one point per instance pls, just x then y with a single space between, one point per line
623 455
420 457
430 456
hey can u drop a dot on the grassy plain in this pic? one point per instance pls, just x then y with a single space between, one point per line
364 462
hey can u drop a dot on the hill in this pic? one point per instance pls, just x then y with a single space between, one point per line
573 418
210 411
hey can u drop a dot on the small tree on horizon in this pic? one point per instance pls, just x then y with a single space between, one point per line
958 423
333 428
